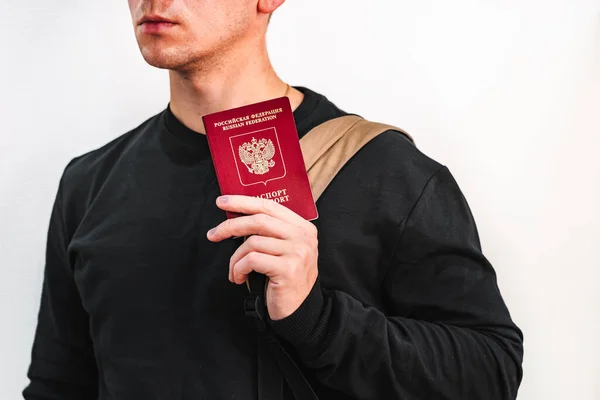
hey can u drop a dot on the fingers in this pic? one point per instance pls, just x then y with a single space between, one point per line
257 224
252 205
259 244
262 263
281 244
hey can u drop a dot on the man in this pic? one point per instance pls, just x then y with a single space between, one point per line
386 296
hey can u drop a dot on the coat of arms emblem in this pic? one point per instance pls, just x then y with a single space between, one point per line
257 155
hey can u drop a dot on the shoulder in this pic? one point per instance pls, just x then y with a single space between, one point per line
386 178
84 174
395 161
100 160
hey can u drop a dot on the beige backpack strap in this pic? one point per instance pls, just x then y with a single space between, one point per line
327 147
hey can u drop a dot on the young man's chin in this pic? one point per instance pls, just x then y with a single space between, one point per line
163 58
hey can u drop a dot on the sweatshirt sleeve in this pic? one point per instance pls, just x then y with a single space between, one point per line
445 332
62 359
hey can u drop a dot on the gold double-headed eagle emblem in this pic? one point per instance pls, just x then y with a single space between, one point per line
257 155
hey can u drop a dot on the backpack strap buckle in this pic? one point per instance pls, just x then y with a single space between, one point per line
254 305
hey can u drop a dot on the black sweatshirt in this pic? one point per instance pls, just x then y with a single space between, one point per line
136 303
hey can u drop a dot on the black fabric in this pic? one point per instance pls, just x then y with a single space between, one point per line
136 303
270 374
274 360
299 386
270 370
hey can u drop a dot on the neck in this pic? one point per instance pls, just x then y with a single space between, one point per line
243 75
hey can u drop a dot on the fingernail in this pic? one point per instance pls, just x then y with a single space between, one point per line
212 231
223 199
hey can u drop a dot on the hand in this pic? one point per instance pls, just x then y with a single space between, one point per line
282 245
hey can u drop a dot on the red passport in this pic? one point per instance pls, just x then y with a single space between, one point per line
256 152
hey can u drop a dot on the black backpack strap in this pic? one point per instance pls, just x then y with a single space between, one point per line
270 379
273 359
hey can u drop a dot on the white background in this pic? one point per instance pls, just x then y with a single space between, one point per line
504 92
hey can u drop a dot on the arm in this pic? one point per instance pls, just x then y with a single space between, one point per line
62 362
445 333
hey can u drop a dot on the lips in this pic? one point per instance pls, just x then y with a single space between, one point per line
154 24
155 19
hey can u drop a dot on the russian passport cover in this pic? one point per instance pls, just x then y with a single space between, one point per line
256 152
